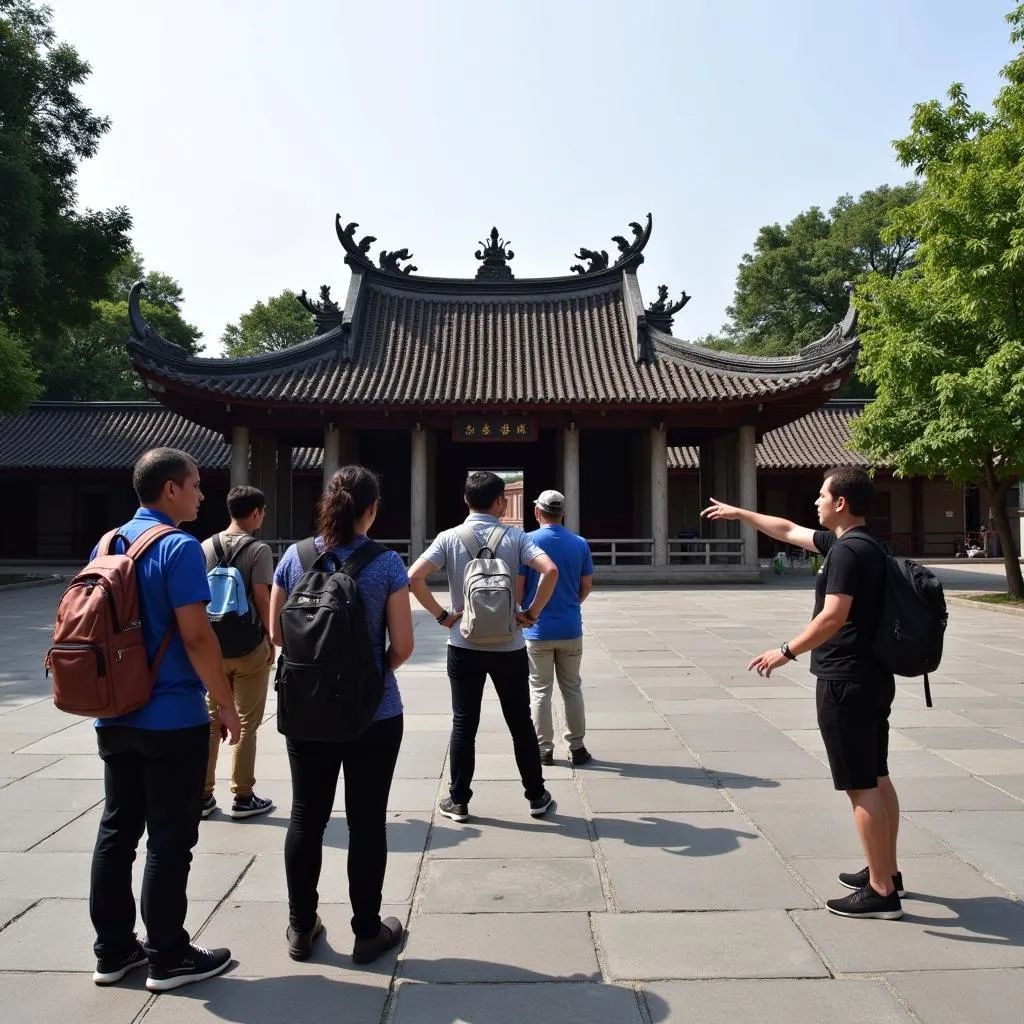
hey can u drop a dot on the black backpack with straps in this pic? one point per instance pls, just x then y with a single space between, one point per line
912 627
328 684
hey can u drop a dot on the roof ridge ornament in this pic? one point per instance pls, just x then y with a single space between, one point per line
598 261
840 333
494 255
327 312
661 311
629 251
388 261
359 252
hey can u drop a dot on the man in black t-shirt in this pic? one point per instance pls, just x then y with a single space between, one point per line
854 691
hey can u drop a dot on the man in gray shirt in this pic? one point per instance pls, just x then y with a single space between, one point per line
504 661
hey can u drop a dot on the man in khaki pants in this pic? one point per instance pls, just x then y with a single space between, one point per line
555 644
236 560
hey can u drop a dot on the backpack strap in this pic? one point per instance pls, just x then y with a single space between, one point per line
136 550
249 539
494 538
465 534
307 552
927 692
361 558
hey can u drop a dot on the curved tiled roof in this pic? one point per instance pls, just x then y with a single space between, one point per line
577 347
815 441
112 435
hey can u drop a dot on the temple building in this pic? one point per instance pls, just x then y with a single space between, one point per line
574 381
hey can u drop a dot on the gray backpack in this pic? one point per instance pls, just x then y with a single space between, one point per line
488 590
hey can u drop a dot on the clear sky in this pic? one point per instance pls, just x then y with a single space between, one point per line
240 127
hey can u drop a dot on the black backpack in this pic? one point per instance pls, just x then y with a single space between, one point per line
328 684
232 611
914 616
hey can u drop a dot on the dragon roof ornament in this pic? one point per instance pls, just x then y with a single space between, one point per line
629 250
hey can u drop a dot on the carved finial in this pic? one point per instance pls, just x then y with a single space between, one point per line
630 248
389 261
347 237
494 255
661 311
596 261
327 312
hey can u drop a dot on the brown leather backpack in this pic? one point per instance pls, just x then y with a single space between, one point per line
98 660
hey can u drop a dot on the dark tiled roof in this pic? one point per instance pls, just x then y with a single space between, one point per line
111 435
579 346
814 441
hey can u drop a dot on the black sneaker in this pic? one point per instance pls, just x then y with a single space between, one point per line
450 809
579 756
112 969
300 944
209 806
539 807
195 964
365 951
249 806
858 879
547 758
867 903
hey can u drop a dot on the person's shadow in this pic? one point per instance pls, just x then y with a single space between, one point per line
992 920
692 774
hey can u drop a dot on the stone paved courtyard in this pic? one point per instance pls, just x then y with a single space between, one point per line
681 877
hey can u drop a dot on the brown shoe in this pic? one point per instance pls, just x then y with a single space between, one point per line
365 951
300 944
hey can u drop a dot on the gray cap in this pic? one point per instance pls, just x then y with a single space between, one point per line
552 502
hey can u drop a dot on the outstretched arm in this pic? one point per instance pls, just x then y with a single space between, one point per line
779 529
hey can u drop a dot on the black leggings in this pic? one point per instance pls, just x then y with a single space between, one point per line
369 765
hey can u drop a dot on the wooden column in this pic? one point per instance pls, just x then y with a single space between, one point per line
283 493
418 494
239 456
747 465
268 484
332 452
571 476
659 493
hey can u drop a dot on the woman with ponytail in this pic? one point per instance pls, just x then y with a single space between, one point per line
344 517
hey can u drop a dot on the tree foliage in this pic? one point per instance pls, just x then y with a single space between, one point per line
790 289
278 323
90 363
55 260
19 380
945 344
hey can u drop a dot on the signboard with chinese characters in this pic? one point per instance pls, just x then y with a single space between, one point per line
494 427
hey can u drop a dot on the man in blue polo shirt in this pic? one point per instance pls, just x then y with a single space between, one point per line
155 758
555 644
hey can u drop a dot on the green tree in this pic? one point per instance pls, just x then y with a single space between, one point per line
19 381
790 289
55 260
278 323
945 345
90 363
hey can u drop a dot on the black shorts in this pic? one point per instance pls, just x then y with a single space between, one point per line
853 717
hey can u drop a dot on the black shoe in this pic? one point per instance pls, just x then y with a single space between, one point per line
300 944
547 758
112 969
579 756
867 903
195 964
450 809
539 807
251 805
365 951
858 879
209 806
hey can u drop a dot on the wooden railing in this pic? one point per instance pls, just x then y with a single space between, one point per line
705 551
622 550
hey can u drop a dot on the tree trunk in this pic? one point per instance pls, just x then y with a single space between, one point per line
1014 579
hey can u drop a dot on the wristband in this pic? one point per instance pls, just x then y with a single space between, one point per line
787 652
445 612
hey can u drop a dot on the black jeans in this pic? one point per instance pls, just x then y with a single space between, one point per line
153 780
369 765
510 674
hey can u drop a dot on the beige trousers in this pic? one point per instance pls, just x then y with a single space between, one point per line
550 660
249 678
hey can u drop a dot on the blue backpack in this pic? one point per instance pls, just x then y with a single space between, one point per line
232 613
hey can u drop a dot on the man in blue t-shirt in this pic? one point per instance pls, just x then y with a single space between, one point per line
555 644
154 758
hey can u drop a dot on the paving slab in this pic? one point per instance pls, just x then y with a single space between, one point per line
779 1002
555 835
768 765
696 793
577 1003
35 794
952 997
44 998
545 885
446 948
23 830
17 766
743 944
987 762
